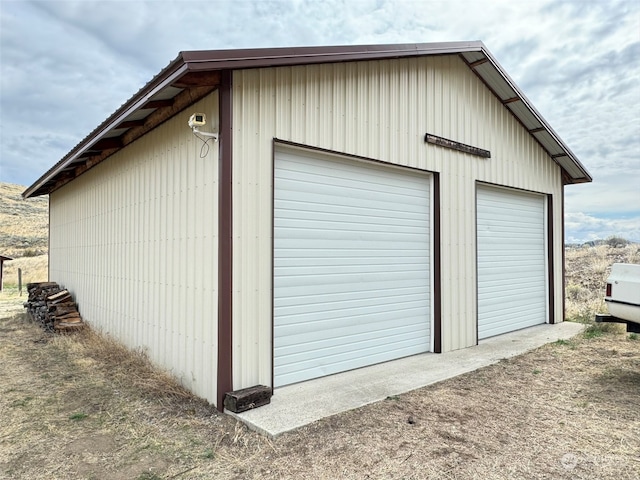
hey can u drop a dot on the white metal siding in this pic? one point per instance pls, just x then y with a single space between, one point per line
512 260
135 240
379 110
351 265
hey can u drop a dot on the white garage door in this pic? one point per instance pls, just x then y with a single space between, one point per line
351 265
512 275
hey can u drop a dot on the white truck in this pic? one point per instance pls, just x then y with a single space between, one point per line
622 296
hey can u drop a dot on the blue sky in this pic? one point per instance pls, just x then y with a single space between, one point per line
66 66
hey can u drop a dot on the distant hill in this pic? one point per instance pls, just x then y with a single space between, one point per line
613 241
24 224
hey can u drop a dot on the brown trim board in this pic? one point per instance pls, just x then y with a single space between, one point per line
550 262
49 242
476 184
273 256
564 260
437 266
225 241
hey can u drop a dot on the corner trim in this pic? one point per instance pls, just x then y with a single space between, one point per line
437 267
550 261
225 241
564 260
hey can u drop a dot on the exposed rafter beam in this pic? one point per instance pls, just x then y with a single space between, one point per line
158 104
510 100
130 123
477 63
107 143
198 79
179 102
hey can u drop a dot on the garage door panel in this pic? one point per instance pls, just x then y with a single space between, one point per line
333 202
308 303
512 283
351 300
351 265
396 220
297 293
307 170
352 238
332 351
355 282
369 295
345 316
506 304
349 244
347 210
341 268
323 192
334 320
338 178
296 342
359 265
502 237
504 296
511 272
348 258
501 277
349 340
351 215
504 317
505 324
315 226
327 365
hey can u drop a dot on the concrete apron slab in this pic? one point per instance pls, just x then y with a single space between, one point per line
294 406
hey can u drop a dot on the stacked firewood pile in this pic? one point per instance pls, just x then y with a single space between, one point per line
53 307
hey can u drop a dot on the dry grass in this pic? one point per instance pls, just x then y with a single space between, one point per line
23 223
587 269
82 406
34 269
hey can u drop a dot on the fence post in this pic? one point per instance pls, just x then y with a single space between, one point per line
20 281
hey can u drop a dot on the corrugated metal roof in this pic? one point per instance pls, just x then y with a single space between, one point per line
194 74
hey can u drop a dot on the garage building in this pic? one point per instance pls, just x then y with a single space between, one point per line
356 204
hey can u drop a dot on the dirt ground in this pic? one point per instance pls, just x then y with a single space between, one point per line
80 407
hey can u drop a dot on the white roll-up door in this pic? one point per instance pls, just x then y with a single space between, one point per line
512 259
351 264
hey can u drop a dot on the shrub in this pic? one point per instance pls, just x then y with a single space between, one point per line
616 242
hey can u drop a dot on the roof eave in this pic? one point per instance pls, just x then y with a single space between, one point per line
200 62
176 69
584 176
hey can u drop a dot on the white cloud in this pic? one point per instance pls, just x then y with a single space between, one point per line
580 228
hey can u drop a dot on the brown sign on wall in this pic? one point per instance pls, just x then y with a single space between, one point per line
446 143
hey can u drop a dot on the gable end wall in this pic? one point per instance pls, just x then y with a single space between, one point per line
379 110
